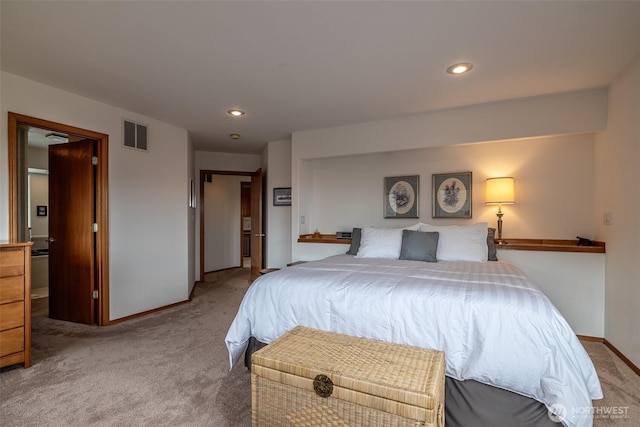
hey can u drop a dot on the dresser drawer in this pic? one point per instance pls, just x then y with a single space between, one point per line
11 289
11 315
15 307
12 262
11 341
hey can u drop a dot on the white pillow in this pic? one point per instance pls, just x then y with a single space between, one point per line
460 243
380 243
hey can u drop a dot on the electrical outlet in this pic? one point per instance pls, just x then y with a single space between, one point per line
302 219
607 218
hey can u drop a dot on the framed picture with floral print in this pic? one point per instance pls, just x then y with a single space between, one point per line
452 195
400 198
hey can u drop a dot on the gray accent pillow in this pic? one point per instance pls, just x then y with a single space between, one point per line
491 244
356 234
419 245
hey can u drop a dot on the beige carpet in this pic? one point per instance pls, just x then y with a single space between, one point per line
166 369
620 385
171 369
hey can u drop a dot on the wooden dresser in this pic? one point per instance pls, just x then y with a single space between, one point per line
15 304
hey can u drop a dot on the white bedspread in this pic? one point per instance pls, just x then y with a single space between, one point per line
493 324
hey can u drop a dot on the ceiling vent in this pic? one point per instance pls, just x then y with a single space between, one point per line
134 135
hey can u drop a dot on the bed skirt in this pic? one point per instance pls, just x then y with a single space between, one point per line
470 403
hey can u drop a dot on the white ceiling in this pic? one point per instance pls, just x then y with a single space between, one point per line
38 137
302 65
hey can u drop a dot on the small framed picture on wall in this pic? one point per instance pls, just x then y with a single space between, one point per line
452 195
41 210
282 196
400 197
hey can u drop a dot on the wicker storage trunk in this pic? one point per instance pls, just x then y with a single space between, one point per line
309 377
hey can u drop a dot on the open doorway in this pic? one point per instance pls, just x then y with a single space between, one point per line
88 303
230 221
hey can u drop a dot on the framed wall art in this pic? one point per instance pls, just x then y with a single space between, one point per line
282 196
452 195
400 198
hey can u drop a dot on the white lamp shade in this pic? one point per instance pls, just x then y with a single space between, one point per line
500 191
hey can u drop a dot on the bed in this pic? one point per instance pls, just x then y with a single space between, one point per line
510 355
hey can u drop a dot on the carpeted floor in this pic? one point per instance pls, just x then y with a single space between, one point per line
171 369
166 369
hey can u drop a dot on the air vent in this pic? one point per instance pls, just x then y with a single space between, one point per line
134 135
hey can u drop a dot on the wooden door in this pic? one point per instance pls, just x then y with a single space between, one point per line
257 237
71 245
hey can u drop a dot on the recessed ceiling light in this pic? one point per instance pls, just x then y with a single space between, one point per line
234 136
235 113
461 68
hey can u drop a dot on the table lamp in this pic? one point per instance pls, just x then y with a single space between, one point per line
500 191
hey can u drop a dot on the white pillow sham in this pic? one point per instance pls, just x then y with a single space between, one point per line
460 243
381 242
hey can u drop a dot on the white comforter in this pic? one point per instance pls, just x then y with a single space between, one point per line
492 323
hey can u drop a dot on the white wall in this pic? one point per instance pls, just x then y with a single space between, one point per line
617 178
574 282
37 157
148 219
554 180
278 224
557 114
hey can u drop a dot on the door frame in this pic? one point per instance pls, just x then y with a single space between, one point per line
101 264
203 173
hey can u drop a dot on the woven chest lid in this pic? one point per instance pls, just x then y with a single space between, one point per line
401 373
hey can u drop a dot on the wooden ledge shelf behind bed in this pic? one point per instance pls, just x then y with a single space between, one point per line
549 245
322 238
545 245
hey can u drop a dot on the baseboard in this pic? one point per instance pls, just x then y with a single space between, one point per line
144 313
615 351
222 269
622 357
590 338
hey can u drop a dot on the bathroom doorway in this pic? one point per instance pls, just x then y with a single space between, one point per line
76 304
